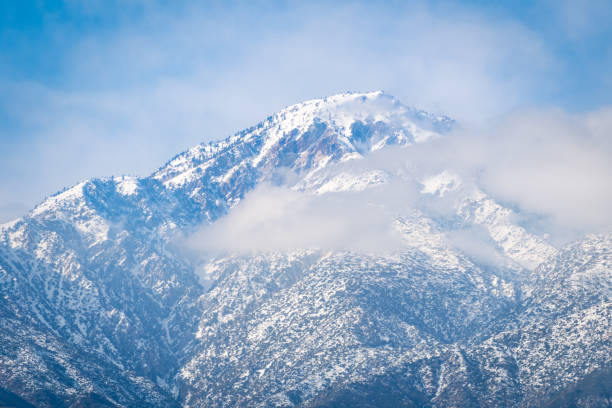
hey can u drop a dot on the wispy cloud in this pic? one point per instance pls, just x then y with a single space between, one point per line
278 219
549 163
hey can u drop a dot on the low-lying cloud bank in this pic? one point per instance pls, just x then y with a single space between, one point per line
274 218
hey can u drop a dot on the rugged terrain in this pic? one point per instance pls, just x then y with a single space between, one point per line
102 305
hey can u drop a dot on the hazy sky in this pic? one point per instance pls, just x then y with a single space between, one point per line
103 88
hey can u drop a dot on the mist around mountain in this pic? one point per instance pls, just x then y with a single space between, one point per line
345 251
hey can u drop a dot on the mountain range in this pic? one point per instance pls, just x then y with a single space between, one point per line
310 260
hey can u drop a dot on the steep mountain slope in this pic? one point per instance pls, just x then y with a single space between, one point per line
101 305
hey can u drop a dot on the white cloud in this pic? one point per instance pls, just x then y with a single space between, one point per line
546 162
475 241
277 219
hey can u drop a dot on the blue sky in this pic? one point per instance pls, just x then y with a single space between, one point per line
99 88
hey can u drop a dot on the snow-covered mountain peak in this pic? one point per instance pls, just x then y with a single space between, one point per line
341 110
308 136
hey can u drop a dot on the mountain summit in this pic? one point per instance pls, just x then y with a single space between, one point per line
304 138
102 306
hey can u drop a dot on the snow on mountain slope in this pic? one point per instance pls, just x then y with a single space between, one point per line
562 329
306 321
101 304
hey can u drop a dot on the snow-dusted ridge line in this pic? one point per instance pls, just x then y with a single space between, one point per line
306 111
